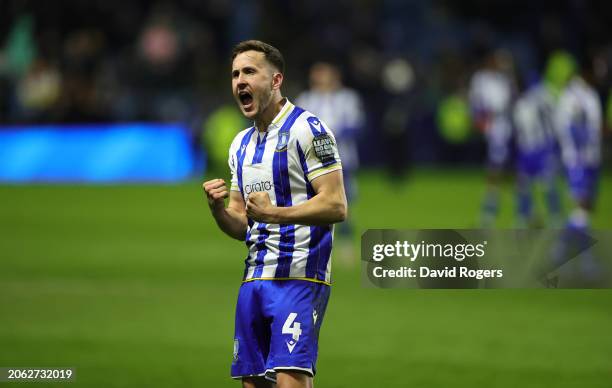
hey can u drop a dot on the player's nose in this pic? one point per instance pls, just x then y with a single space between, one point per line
241 81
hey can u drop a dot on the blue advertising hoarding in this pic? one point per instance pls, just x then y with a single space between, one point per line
96 153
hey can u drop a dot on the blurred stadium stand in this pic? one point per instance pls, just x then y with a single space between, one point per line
108 62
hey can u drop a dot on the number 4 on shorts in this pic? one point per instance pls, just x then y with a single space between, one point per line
291 327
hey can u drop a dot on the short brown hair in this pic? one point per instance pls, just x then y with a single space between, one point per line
271 53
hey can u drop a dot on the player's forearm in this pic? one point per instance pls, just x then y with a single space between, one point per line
231 222
322 209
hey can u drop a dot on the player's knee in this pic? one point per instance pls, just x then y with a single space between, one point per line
293 379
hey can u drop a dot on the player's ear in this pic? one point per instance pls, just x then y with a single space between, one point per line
277 81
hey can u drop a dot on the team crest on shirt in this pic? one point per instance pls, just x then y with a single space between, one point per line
283 140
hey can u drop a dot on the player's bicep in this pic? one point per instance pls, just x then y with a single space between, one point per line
331 183
329 188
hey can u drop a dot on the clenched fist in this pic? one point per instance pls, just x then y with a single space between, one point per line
260 208
216 192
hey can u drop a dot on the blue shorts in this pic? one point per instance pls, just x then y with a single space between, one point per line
541 164
277 327
582 182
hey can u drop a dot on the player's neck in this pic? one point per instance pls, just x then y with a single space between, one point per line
263 122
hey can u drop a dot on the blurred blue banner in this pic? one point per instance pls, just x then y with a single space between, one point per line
96 153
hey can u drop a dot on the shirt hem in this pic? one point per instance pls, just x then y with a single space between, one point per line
304 279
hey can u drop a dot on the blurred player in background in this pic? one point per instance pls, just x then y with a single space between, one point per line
341 108
490 95
537 161
579 128
286 193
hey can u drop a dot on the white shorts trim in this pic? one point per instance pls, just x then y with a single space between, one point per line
290 368
244 376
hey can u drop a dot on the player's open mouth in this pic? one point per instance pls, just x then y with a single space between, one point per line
246 99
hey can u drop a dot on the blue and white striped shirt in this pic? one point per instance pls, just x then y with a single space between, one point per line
579 125
283 161
534 119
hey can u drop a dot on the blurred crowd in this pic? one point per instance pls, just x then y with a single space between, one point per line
100 61
71 61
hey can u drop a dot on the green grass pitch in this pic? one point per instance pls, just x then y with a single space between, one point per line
135 287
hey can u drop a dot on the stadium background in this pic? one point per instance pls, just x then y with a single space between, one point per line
132 283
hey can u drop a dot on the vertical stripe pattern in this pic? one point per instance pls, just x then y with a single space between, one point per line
282 189
259 149
319 248
261 248
240 156
279 162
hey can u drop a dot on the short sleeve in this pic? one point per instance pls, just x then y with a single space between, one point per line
233 162
319 148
